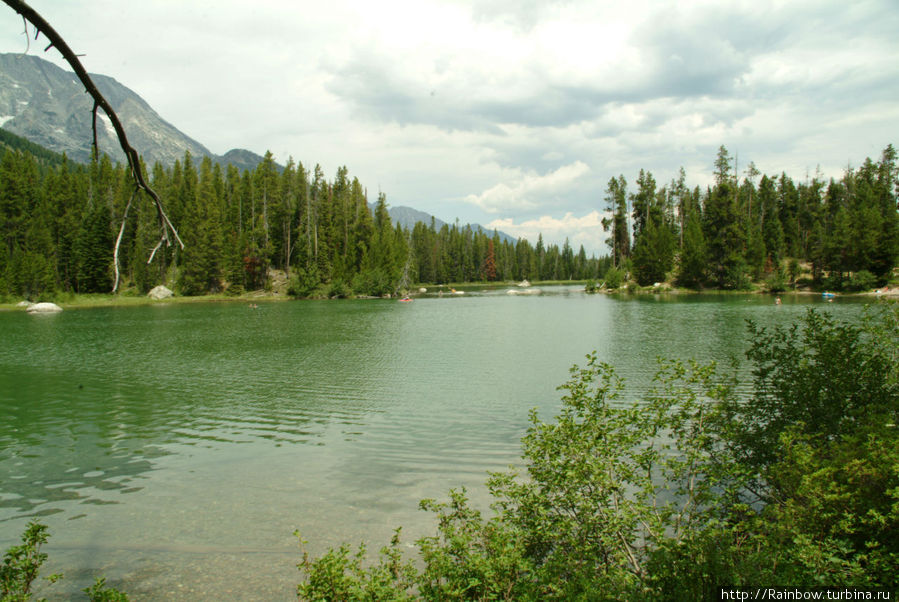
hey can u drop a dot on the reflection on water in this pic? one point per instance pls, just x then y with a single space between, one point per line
176 448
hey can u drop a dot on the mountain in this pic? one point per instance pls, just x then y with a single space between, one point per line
47 105
408 217
241 159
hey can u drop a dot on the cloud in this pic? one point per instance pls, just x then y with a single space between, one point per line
467 109
585 230
529 190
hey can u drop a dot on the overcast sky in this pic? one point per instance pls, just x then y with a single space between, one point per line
509 113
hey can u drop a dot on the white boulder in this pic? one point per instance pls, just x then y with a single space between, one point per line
160 292
43 308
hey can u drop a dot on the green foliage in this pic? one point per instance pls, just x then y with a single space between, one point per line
840 509
22 563
653 255
776 281
693 266
99 592
338 289
303 282
860 281
338 575
58 224
686 490
471 558
608 479
828 379
374 282
613 277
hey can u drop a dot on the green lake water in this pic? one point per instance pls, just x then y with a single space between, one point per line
176 448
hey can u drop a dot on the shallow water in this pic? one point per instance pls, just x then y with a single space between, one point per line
175 448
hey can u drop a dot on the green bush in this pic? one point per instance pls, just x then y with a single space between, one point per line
22 564
860 281
303 283
690 489
776 281
99 592
613 277
338 289
374 283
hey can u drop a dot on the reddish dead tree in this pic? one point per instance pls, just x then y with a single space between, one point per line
167 230
490 262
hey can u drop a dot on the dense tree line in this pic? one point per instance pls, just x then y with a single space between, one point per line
739 230
59 221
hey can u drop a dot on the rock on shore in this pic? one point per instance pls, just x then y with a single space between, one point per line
43 308
160 292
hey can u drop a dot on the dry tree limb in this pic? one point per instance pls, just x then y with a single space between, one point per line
118 241
31 16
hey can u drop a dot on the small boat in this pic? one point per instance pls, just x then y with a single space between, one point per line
827 295
406 300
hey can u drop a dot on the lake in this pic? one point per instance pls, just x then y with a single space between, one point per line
176 448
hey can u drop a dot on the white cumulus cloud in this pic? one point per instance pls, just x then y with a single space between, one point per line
526 190
585 230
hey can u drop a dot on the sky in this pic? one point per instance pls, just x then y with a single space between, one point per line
509 113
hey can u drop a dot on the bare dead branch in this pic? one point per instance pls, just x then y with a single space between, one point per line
27 39
29 15
153 252
96 147
118 240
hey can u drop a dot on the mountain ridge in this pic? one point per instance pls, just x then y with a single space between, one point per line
46 105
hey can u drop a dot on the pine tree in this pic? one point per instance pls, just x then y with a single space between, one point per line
616 204
693 267
201 264
725 238
93 250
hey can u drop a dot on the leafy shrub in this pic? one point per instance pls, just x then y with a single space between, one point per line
340 576
776 281
860 281
690 489
338 289
303 282
614 277
22 564
733 273
98 592
373 282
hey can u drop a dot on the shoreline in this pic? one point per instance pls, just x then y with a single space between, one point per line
129 299
76 301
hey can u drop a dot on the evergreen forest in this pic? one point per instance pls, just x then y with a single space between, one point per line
60 221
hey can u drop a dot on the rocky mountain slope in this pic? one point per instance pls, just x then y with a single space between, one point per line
47 105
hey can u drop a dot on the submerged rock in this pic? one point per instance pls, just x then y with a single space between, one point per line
43 308
160 292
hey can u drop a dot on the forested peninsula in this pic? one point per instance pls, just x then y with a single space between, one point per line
59 222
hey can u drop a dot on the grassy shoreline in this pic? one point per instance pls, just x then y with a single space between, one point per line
82 301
